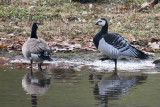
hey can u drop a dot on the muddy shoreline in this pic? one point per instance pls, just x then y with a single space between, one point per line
78 60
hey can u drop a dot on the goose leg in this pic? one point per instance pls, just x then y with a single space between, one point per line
31 72
31 60
34 100
39 66
115 60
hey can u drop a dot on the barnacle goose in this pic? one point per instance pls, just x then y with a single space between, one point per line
114 45
36 49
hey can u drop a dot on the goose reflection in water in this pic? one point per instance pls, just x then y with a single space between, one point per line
157 64
61 72
112 87
36 83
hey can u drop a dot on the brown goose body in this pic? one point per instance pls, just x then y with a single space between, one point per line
34 46
35 49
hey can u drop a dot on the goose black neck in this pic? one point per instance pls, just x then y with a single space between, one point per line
34 33
104 29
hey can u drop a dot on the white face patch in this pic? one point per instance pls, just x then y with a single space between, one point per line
37 25
101 22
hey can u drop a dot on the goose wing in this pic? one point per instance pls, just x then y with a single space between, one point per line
36 45
124 47
117 41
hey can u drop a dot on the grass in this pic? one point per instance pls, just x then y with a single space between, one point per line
11 30
59 18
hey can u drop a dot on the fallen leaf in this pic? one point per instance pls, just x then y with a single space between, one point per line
4 60
16 45
148 50
2 66
154 45
79 39
126 8
78 46
20 66
3 46
52 44
131 38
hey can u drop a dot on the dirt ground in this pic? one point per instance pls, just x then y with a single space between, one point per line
70 25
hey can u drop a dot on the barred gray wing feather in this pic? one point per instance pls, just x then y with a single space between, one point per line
124 47
117 41
133 52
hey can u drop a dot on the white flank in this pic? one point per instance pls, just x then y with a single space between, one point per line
108 49
35 57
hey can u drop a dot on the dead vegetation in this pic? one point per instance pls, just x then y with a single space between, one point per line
69 25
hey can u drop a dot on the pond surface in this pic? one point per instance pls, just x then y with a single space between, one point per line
66 87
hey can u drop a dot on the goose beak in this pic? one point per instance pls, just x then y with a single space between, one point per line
96 23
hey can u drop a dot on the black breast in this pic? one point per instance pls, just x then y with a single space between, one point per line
97 38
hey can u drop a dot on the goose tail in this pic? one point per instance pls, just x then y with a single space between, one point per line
142 55
139 54
46 55
133 52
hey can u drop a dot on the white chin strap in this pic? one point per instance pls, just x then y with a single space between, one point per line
101 22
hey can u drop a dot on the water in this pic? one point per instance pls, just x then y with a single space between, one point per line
67 87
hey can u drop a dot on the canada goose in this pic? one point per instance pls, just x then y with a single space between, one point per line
36 83
36 49
114 45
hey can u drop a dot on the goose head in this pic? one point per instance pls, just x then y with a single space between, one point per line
35 26
101 22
